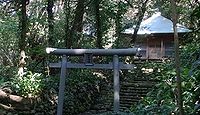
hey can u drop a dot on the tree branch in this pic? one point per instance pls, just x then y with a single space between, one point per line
141 15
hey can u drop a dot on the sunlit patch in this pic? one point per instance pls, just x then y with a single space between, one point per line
99 74
147 70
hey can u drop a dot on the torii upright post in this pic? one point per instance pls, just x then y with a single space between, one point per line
88 63
116 82
62 85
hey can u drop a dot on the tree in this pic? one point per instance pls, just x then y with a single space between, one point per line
140 16
68 40
50 21
98 24
22 40
121 9
77 25
177 57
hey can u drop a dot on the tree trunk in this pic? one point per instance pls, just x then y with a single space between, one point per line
77 26
13 102
68 41
141 12
98 25
22 40
50 22
177 57
118 23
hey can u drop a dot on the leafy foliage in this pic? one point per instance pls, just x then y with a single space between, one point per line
28 85
162 99
81 91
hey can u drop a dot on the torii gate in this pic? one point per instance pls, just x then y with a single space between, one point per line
88 63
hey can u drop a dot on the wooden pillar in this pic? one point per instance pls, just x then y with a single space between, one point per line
147 52
162 48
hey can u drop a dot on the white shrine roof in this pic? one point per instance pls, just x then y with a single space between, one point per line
156 24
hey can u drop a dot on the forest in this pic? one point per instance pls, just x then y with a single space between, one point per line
28 86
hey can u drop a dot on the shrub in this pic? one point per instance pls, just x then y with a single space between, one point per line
30 84
80 91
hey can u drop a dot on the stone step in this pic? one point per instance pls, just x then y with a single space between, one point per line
131 97
101 106
123 107
127 105
134 88
140 79
133 92
136 84
130 101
